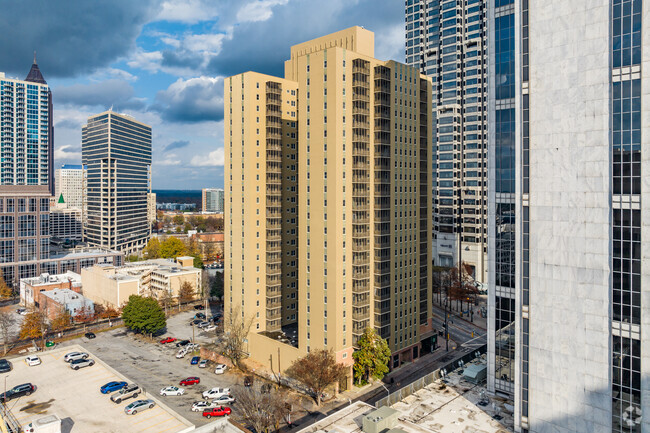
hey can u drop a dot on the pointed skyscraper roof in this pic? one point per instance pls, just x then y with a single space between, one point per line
35 75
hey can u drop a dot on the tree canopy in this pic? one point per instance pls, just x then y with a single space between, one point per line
317 370
143 315
372 357
171 248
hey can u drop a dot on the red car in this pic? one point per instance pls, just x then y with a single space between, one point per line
216 411
190 381
167 340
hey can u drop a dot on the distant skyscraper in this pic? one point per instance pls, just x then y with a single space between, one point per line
69 185
212 200
328 209
26 175
116 150
446 40
569 213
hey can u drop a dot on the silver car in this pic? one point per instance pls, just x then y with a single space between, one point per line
138 406
75 355
81 363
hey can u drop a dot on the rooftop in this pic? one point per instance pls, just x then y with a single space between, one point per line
47 279
65 296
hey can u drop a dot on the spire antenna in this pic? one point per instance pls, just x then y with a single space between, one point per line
34 56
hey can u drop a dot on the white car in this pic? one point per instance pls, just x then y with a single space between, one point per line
72 356
172 390
209 328
215 392
220 369
224 399
32 360
203 363
181 353
199 406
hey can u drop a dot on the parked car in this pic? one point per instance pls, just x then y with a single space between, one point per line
216 319
89 335
203 363
81 363
200 406
22 311
224 399
192 346
138 406
199 316
17 391
129 391
181 353
193 380
220 369
182 343
167 340
216 411
209 328
199 307
248 380
72 356
5 366
195 322
172 390
111 387
32 360
215 392
195 360
203 324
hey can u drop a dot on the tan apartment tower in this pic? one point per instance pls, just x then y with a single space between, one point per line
353 158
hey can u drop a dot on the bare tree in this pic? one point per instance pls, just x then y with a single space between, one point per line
166 300
236 329
262 410
7 320
317 370
186 292
462 287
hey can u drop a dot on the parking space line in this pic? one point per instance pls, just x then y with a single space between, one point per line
169 428
145 419
102 378
165 420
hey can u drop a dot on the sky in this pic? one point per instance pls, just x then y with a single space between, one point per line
164 61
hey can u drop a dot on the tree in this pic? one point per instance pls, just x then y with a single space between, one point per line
143 315
171 248
61 321
166 300
198 262
262 410
187 227
216 285
371 359
185 292
152 249
5 290
317 370
7 321
34 325
178 220
85 314
461 284
210 252
236 329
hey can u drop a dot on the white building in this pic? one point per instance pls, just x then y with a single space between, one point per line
69 186
212 200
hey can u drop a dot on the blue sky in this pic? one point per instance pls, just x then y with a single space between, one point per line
164 61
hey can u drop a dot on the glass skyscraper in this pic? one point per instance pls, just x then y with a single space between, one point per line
116 150
446 40
568 213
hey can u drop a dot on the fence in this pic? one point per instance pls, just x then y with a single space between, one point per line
424 381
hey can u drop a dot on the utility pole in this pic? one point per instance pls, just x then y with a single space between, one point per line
447 316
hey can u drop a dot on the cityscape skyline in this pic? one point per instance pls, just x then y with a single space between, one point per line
167 66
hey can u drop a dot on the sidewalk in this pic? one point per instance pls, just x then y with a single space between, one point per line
479 321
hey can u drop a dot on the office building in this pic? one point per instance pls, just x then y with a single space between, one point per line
446 40
31 287
569 210
26 175
66 224
151 207
328 209
212 200
69 186
116 151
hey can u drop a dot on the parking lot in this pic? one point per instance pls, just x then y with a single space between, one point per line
154 366
75 398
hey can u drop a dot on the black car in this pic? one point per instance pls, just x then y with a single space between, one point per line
182 343
216 319
90 335
5 366
199 307
195 322
199 316
17 391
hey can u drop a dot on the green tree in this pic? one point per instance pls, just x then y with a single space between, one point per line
187 227
171 248
143 315
178 220
216 285
317 370
152 250
198 262
371 359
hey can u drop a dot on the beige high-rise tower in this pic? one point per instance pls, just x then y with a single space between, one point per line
328 202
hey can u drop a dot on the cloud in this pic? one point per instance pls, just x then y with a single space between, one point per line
71 38
116 93
193 100
169 160
259 10
178 144
67 152
214 159
187 11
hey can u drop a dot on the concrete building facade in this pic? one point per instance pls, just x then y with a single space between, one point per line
66 224
575 126
53 302
447 41
151 207
116 149
212 200
335 184
69 186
